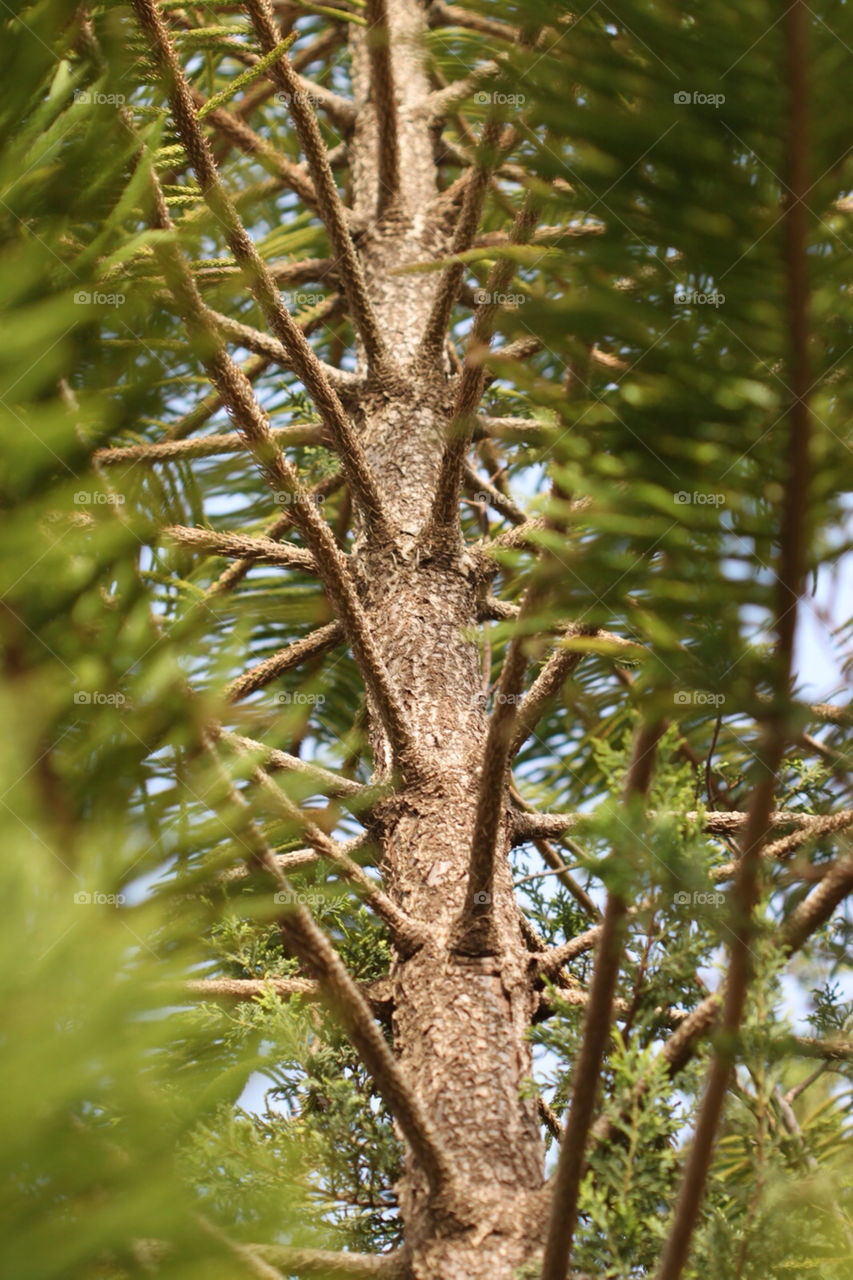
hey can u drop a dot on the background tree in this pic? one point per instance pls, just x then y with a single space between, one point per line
426 424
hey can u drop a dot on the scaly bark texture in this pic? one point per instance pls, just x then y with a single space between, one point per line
460 1023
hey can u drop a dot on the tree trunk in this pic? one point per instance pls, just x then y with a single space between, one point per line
460 1023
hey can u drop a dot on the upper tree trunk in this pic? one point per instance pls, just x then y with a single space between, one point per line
459 1024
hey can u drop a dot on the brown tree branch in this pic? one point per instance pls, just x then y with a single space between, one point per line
476 185
385 103
300 355
258 550
310 646
312 947
445 512
596 1032
337 1266
204 447
329 202
474 930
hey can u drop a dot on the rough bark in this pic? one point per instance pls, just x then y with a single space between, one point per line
460 1023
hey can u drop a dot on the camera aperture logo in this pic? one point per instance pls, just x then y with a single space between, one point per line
484 298
698 698
699 898
684 97
693 298
85 299
97 699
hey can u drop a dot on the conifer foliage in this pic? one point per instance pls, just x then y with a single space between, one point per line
427 452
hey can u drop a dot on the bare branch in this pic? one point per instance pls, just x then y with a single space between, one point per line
408 935
204 447
444 516
326 782
310 646
250 988
444 100
235 573
476 185
818 826
300 355
252 144
258 550
385 102
531 825
475 486
337 1266
542 692
331 209
318 957
596 1032
473 932
264 344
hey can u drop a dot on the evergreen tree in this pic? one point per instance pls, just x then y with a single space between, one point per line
426 431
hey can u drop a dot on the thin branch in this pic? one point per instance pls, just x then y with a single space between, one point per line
329 202
385 103
542 692
299 353
310 646
264 344
337 1266
408 935
819 826
258 550
442 101
318 957
204 447
252 144
596 1032
547 963
324 780
531 825
444 515
251 988
476 185
473 932
477 487
235 573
